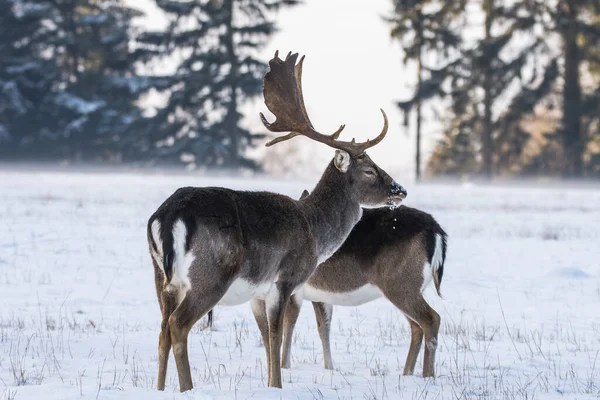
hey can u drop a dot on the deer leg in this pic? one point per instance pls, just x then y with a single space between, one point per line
164 339
430 327
416 339
260 315
289 322
276 303
324 312
197 302
167 305
180 324
414 306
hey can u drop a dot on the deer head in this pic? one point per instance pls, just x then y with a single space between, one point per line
371 185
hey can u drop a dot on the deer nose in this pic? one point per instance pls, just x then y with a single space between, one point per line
403 191
398 190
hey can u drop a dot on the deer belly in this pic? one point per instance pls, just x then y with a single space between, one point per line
356 297
242 291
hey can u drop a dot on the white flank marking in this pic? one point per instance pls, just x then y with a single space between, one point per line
182 262
362 295
241 291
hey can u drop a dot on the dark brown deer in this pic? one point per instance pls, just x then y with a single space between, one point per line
215 245
394 253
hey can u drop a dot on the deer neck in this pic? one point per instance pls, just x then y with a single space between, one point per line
331 211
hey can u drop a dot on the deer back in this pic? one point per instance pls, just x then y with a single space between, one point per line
386 244
250 229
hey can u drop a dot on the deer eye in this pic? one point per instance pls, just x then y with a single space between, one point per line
370 172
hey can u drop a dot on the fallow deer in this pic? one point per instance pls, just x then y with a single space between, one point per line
215 245
391 252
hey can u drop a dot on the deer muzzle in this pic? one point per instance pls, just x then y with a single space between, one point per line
397 194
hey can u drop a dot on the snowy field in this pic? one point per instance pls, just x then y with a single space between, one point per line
79 316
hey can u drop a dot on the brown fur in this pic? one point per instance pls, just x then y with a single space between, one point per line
259 237
387 249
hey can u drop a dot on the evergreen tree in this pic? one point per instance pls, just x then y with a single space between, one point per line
577 23
67 79
591 50
491 97
26 77
567 16
218 41
424 27
456 153
511 137
95 108
491 72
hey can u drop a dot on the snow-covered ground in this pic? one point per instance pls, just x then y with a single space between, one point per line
79 316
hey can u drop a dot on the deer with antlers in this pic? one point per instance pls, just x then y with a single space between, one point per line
394 253
214 245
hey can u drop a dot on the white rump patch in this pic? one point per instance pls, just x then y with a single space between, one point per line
180 281
438 254
362 295
241 291
436 262
157 255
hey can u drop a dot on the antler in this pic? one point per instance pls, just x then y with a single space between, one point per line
283 97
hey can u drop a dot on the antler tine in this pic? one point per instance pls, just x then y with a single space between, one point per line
283 97
336 134
370 143
282 138
282 91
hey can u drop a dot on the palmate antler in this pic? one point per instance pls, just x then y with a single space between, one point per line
283 97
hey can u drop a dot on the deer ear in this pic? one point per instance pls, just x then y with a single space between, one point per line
304 194
341 160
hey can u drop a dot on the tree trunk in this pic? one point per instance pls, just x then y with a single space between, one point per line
418 103
571 130
487 96
231 118
419 121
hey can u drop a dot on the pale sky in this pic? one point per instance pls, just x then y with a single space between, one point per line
352 69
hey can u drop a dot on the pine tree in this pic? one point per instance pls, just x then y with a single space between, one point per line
219 72
511 137
424 27
26 76
95 107
489 81
591 53
567 15
575 24
456 153
576 21
492 71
